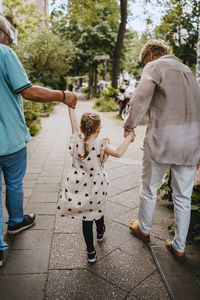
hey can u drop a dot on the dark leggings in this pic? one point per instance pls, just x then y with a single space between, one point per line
87 227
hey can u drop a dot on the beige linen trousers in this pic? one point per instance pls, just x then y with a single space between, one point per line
170 92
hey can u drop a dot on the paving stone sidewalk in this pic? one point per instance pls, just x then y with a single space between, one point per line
49 260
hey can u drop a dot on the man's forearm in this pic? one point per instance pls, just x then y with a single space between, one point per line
41 94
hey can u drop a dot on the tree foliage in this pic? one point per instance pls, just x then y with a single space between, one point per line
130 54
24 16
180 28
88 41
92 27
47 59
91 11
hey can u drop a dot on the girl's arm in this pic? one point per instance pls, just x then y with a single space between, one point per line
119 151
73 120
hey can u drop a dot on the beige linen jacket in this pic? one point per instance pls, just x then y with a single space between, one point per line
171 93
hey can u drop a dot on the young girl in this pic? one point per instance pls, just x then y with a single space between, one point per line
86 186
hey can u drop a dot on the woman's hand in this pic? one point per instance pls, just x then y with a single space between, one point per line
132 133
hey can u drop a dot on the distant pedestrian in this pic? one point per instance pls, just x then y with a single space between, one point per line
171 93
14 134
86 186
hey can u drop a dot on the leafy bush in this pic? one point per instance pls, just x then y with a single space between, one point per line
32 111
105 105
110 93
35 128
85 90
107 102
165 192
47 108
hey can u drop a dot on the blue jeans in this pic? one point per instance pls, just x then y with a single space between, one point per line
13 167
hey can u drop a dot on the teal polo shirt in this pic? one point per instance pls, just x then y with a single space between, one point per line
13 79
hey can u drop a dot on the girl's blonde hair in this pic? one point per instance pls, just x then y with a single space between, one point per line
90 122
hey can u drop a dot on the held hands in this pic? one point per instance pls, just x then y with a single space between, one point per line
130 133
107 140
70 99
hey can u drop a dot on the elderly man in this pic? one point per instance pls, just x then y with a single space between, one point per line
14 134
170 92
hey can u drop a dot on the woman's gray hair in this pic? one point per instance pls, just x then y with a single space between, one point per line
3 25
157 47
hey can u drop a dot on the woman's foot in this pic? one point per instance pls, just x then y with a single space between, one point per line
92 256
180 256
134 227
100 236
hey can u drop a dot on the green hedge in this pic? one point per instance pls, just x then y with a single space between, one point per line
105 105
33 111
107 102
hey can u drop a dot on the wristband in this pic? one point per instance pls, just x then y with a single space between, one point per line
63 99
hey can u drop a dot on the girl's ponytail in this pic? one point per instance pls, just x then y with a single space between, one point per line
90 122
86 150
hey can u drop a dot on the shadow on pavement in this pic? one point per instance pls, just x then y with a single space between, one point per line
180 276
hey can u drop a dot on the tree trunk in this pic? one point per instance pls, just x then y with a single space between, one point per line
95 78
90 86
119 44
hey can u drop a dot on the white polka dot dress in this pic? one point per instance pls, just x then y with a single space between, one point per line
86 187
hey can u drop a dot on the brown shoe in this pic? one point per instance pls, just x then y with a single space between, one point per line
180 256
134 227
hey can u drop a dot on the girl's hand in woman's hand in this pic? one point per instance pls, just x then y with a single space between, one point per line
132 134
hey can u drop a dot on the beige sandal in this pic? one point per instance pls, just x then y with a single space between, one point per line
134 227
180 256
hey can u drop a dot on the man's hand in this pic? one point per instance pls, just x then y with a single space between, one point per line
70 99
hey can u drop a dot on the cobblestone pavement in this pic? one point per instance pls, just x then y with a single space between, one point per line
49 260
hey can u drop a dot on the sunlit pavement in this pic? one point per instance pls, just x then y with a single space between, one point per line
49 260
